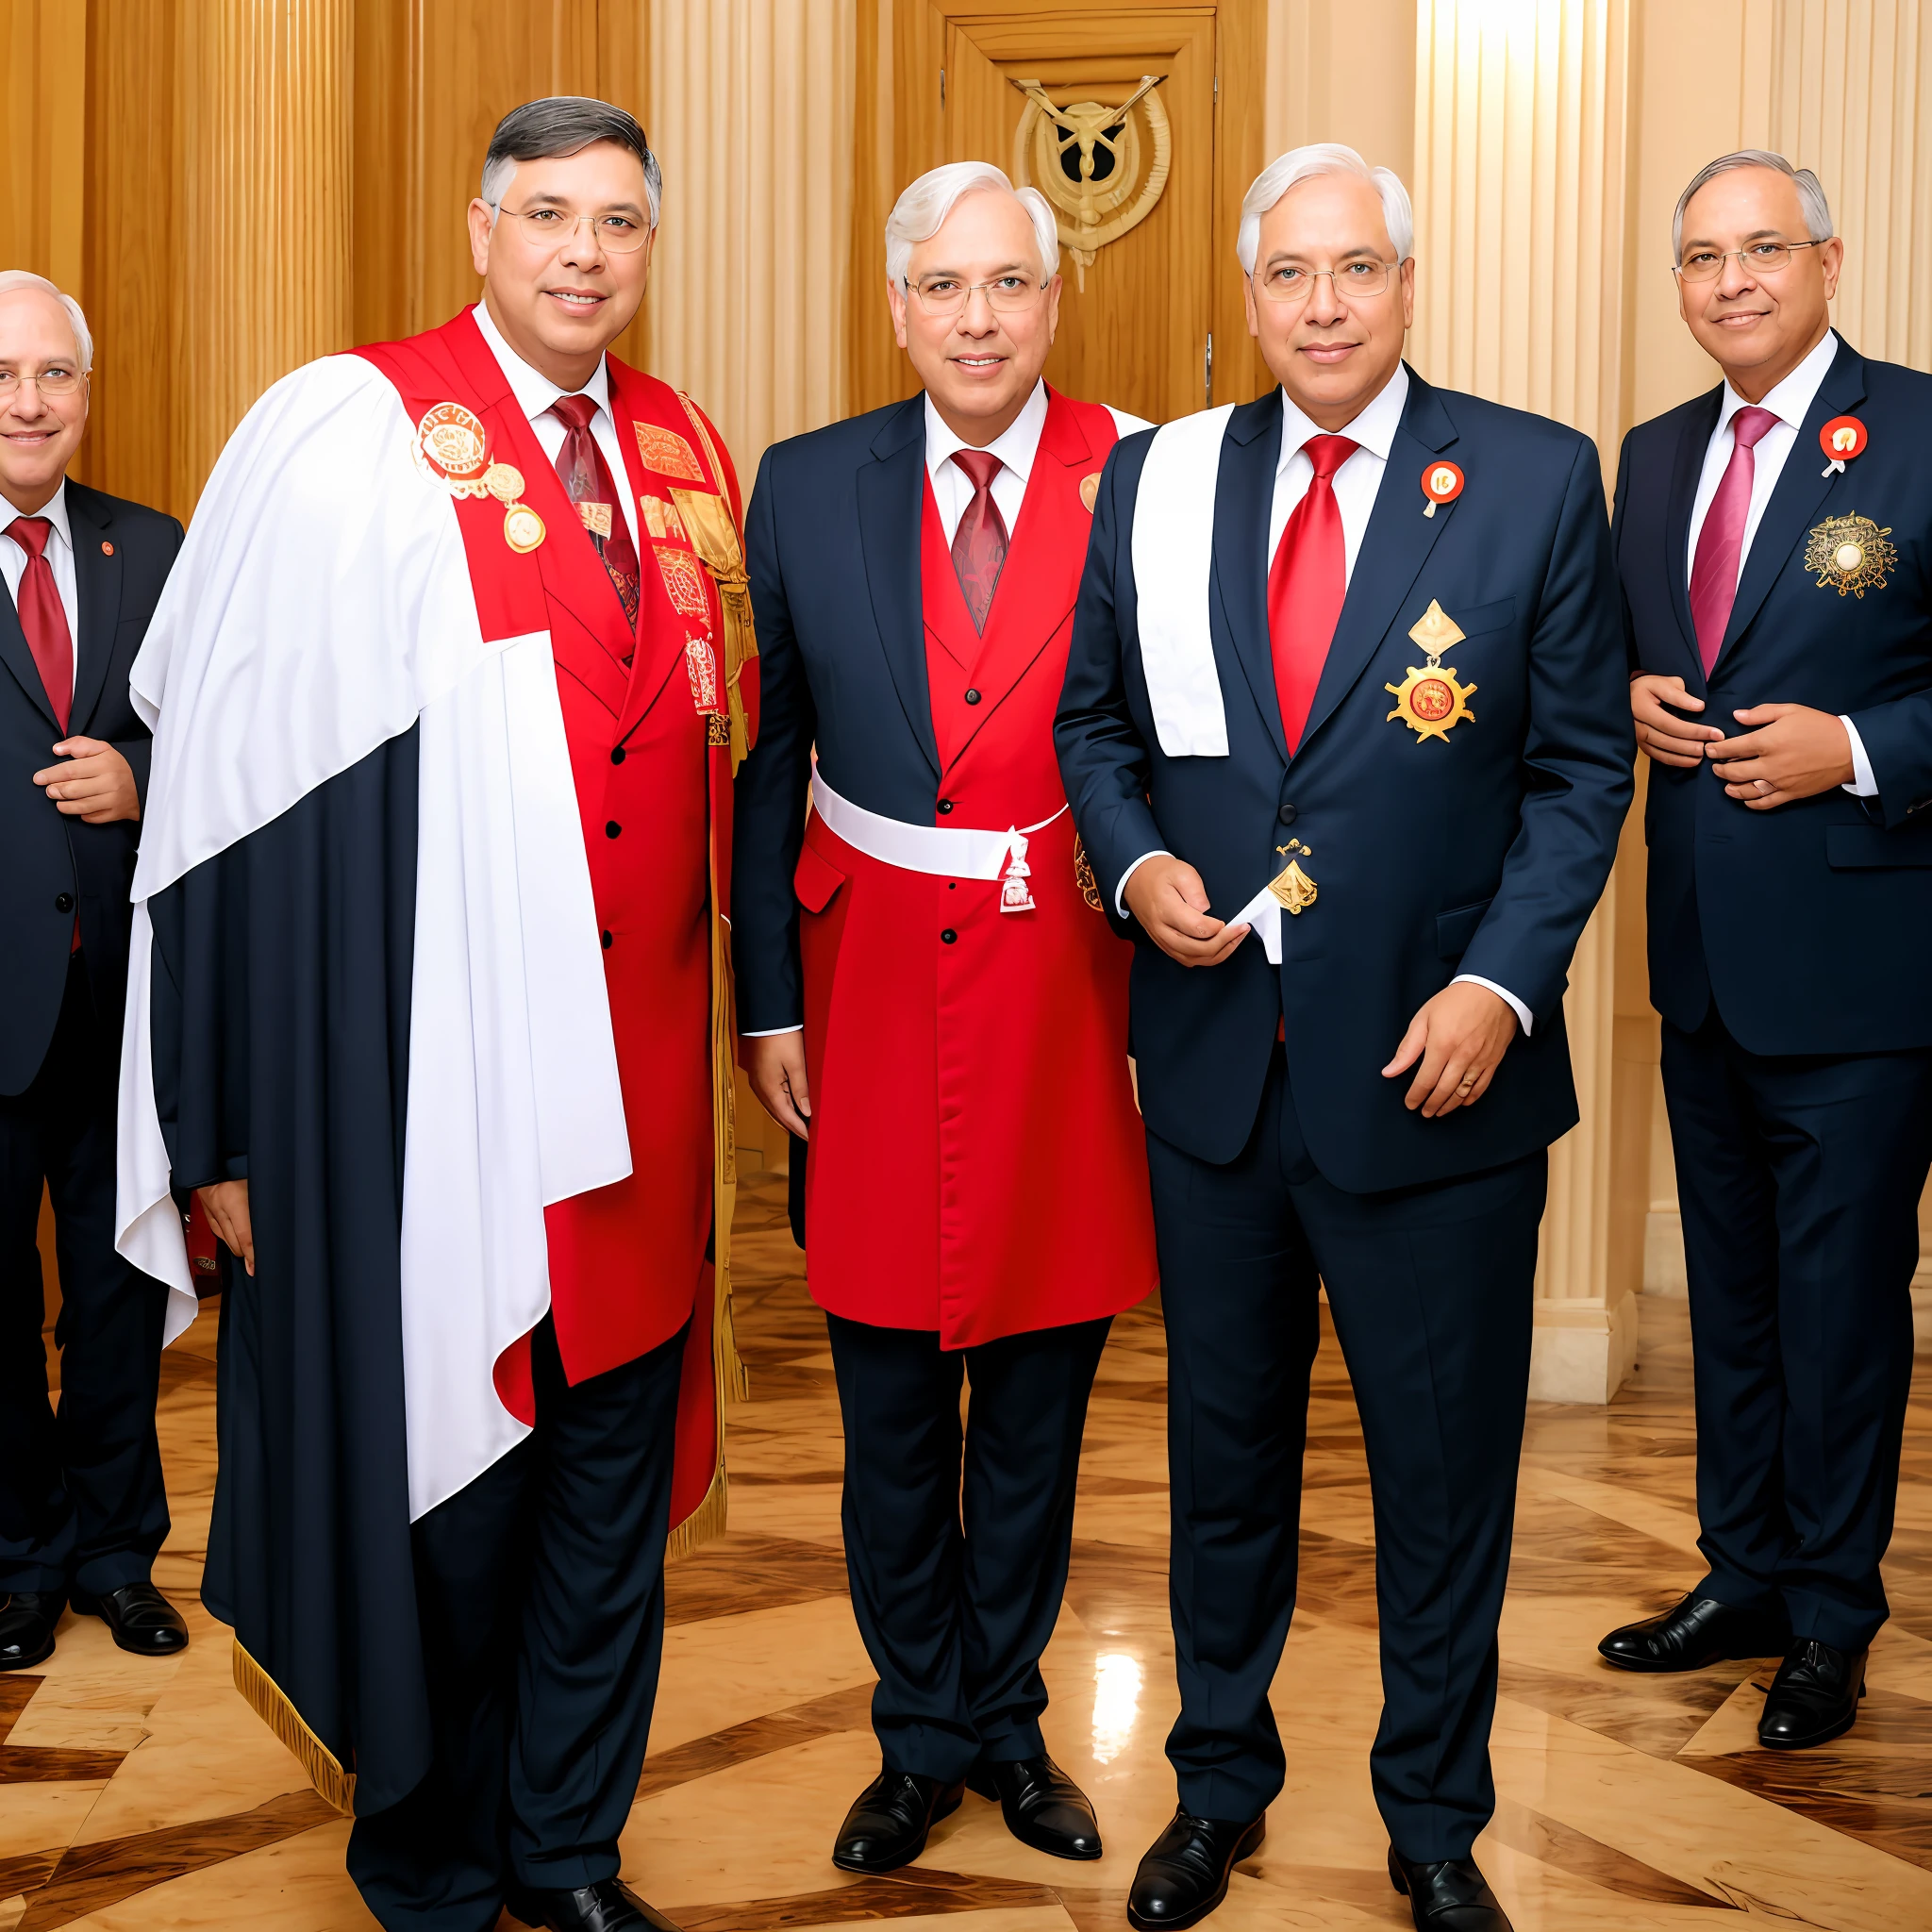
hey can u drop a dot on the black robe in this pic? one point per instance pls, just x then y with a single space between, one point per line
281 1015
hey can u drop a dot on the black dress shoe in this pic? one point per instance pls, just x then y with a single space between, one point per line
1183 1874
1813 1698
887 1823
27 1628
1446 1895
142 1619
1042 1806
1693 1635
610 1906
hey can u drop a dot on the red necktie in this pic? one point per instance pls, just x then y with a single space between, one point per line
980 544
42 617
1306 584
587 482
1721 542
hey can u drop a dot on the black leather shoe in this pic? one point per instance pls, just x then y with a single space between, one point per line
1042 1806
1813 1698
610 1906
887 1823
1693 1635
1446 1895
1183 1874
142 1619
27 1628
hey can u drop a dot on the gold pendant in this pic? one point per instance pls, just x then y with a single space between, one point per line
1850 554
1291 884
1431 701
522 528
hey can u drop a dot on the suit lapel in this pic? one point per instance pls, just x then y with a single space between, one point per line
1802 487
891 495
97 585
1395 548
1693 443
1244 496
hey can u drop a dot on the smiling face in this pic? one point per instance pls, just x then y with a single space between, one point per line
980 364
38 434
1757 324
1335 352
560 294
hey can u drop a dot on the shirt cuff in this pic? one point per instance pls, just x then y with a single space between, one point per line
1502 992
766 1032
1863 784
1120 892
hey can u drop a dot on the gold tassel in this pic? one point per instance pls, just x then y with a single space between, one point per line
265 1697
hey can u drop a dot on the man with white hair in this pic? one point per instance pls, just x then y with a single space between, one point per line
83 1510
1771 538
1354 895
434 1017
927 989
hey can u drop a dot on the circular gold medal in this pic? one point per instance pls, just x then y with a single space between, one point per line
1431 702
451 449
522 528
504 481
1849 555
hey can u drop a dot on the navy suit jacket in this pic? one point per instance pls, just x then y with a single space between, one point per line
50 863
1811 924
1480 853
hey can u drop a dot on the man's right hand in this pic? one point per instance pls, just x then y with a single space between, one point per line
225 1205
1166 895
1670 738
774 1065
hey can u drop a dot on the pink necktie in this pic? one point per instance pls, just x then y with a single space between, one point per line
1307 584
980 544
42 617
1721 542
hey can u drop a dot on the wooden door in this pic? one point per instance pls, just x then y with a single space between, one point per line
1151 320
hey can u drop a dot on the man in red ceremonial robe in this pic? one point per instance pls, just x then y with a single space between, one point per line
929 991
435 1017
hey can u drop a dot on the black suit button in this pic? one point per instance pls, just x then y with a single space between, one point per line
606 942
1287 814
945 805
617 756
63 902
611 828
972 697
949 936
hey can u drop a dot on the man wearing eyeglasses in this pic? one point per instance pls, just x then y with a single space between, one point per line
435 1018
1772 541
83 1510
1344 731
928 991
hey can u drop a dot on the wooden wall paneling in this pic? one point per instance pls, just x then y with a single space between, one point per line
381 171
42 137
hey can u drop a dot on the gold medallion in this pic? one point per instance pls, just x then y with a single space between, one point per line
451 449
522 528
1850 554
1295 890
1430 700
504 481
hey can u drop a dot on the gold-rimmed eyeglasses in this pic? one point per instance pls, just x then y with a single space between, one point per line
1288 281
1760 257
58 381
549 227
1005 294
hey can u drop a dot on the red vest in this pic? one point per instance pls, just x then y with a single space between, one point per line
977 1164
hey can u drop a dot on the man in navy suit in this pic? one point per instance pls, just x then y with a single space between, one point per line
1774 540
1345 732
82 1506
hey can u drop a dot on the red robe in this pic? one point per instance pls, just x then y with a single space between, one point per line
649 719
977 1164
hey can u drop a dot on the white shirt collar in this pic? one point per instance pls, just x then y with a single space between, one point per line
533 390
1374 429
1790 401
1016 447
54 510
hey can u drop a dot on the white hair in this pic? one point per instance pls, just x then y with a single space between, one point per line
1812 199
920 213
1302 164
83 337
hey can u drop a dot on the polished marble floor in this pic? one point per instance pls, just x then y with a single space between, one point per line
139 1797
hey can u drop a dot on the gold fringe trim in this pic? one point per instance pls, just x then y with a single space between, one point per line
705 1523
266 1698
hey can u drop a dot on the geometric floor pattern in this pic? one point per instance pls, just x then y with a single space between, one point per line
143 1797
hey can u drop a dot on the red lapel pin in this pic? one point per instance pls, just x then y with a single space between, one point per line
106 548
1441 483
1841 439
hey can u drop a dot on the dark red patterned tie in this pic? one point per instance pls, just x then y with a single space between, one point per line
979 544
1307 584
42 617
587 481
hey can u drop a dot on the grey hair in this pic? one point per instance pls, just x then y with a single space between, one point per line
1810 192
83 337
1301 164
920 212
565 124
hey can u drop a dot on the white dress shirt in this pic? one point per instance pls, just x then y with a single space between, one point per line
952 490
535 393
59 560
1791 403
